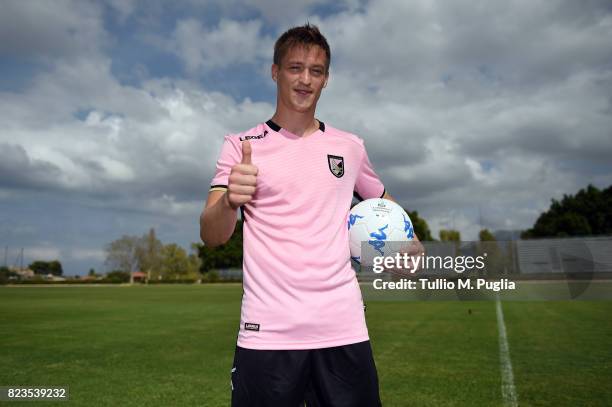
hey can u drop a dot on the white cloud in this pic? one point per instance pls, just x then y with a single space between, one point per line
502 106
514 42
160 139
231 42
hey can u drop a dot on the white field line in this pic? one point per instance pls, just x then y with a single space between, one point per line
505 365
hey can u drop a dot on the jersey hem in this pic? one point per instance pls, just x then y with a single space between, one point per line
303 345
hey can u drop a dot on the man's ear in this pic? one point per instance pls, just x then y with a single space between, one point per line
274 72
326 79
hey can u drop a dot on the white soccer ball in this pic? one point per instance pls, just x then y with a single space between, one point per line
378 222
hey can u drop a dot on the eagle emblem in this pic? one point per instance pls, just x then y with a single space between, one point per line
336 165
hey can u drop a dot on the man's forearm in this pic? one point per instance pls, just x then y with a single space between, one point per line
217 223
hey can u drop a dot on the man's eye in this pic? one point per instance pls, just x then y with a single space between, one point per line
294 68
317 72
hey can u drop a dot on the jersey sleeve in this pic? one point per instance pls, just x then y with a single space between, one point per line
230 155
367 185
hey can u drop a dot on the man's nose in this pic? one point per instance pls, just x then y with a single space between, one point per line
305 77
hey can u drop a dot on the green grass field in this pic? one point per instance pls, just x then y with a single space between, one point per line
173 345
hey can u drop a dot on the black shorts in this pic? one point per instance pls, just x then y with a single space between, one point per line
329 377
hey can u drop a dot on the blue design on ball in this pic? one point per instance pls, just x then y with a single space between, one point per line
353 219
377 245
408 227
380 237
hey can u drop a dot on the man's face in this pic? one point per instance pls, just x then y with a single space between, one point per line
300 77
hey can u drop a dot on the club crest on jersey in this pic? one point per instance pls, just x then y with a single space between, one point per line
336 165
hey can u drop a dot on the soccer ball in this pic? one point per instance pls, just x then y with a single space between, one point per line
378 222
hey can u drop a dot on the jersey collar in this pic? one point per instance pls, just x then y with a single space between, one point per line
277 128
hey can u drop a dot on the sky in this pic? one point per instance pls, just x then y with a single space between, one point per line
112 113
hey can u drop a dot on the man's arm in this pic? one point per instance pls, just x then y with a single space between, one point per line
218 220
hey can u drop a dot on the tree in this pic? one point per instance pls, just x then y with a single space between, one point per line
486 236
589 212
149 254
55 268
194 263
47 267
121 254
174 261
118 276
450 235
228 255
39 267
497 260
420 226
6 274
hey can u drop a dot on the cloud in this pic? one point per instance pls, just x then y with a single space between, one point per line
490 109
229 43
18 170
87 254
276 11
501 106
44 253
114 141
123 8
510 42
42 29
169 204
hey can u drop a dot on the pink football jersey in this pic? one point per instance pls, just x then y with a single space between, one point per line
300 291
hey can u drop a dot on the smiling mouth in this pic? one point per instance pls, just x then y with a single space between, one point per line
303 92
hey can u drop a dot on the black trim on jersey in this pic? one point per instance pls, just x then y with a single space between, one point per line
242 213
277 128
384 192
218 186
273 125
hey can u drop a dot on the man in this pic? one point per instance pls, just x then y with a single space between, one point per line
303 335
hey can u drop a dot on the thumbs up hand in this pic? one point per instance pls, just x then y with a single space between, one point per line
242 179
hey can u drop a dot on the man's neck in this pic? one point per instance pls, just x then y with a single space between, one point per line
300 124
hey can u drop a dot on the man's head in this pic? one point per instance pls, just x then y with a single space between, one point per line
304 36
301 67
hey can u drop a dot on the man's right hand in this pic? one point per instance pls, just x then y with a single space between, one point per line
242 180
